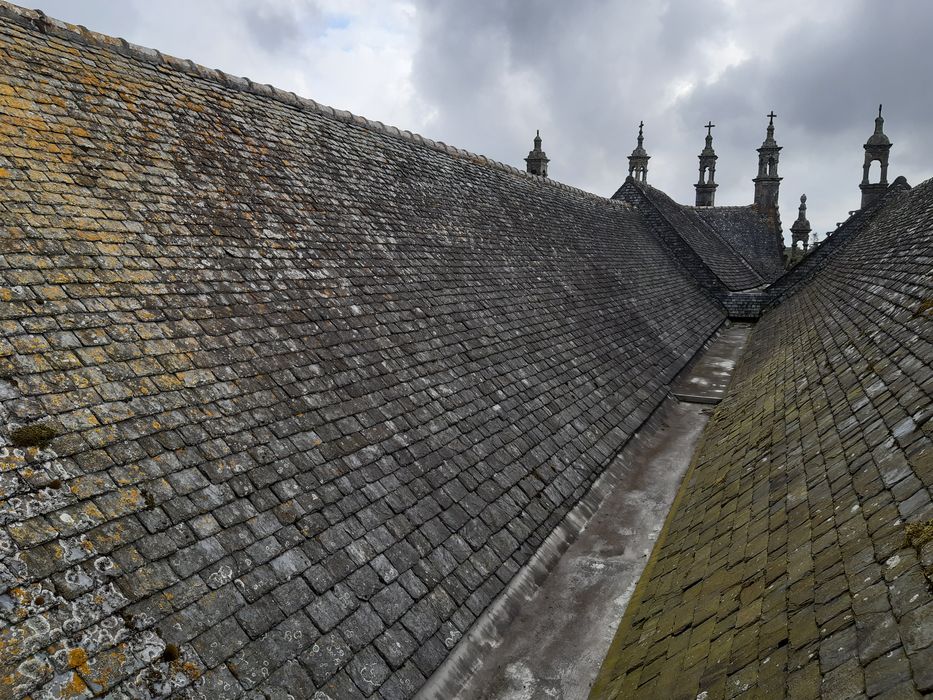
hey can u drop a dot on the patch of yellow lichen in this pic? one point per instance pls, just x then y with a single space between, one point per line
9 101
11 461
130 474
92 511
188 103
132 499
7 682
4 172
29 344
76 657
166 382
100 236
21 595
105 674
89 79
11 647
75 687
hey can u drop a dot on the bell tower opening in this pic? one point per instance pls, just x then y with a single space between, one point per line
877 150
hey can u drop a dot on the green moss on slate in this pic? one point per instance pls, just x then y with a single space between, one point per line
33 435
918 534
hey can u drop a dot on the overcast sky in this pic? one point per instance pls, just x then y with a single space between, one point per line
484 74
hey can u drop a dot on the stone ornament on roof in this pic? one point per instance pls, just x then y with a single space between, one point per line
800 232
877 149
638 161
768 182
706 185
879 138
537 160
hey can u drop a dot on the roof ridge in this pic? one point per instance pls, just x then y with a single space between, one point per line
39 21
709 229
719 206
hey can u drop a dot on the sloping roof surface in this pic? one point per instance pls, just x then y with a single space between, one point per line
818 256
787 568
748 234
318 390
718 254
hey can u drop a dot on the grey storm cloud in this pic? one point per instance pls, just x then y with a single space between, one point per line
280 28
587 72
484 74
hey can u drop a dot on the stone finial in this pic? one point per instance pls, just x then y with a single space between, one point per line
638 161
878 138
800 230
537 160
877 149
706 185
708 149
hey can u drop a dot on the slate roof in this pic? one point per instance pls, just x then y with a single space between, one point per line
820 254
718 254
313 389
787 567
748 234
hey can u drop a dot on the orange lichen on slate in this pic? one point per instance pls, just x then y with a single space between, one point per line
77 657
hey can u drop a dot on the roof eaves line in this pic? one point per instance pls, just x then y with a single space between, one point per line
32 19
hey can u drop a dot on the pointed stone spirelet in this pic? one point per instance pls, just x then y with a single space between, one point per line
800 230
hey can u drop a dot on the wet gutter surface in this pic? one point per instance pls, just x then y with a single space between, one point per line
561 626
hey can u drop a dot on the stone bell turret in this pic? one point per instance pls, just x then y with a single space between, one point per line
638 161
537 160
877 148
706 185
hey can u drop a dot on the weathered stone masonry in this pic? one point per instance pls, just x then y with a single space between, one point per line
318 388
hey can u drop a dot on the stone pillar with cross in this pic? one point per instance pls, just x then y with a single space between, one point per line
768 183
706 185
